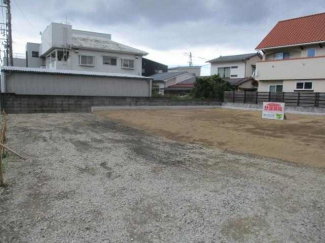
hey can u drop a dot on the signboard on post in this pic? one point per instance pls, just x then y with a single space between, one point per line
273 110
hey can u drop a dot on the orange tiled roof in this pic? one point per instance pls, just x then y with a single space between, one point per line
301 30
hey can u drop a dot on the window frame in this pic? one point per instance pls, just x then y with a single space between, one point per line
276 87
87 65
311 49
37 54
283 55
224 72
304 84
110 58
128 61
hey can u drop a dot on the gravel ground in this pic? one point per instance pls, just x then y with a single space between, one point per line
89 179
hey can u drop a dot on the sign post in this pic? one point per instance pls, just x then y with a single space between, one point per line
273 110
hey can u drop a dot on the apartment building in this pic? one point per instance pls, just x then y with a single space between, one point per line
293 56
65 48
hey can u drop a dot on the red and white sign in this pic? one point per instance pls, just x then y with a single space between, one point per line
273 110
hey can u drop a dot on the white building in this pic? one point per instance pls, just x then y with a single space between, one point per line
235 66
239 70
65 48
294 56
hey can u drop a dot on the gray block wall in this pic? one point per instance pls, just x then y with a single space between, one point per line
15 104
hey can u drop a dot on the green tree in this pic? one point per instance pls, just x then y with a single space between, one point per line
212 87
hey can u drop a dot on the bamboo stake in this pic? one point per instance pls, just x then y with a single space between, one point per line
12 151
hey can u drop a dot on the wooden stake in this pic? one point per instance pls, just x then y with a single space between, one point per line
12 151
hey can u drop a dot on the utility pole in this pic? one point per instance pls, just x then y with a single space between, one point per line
9 42
6 32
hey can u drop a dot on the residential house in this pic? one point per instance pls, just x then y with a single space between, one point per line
182 88
239 70
294 56
161 81
150 67
195 70
65 48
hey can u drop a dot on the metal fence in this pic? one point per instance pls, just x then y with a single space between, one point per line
304 99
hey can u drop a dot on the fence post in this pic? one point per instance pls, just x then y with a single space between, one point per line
244 96
298 101
233 96
316 99
256 97
269 96
283 97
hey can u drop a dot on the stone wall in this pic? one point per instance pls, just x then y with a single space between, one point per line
14 104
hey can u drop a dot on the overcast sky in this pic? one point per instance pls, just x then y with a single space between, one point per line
166 29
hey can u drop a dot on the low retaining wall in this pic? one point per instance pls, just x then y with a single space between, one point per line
288 109
13 103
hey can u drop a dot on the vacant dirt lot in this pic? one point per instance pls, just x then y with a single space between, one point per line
299 139
90 179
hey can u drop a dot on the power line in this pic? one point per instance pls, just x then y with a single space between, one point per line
28 21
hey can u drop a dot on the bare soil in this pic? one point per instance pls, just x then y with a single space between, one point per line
90 179
299 139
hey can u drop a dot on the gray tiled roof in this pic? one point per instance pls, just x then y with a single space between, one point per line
238 81
104 44
234 58
165 76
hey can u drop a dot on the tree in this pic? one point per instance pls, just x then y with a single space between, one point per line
212 87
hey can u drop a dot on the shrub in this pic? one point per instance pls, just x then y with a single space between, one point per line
212 87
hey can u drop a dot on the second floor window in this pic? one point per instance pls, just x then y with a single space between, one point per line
282 55
109 61
224 72
128 64
35 54
311 52
87 61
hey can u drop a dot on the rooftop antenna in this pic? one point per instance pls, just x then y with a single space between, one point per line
190 61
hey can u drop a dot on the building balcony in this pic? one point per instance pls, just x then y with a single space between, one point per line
291 69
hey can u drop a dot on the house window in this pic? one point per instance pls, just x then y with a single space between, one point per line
86 61
276 88
224 72
304 85
35 54
233 67
109 61
128 64
282 55
311 52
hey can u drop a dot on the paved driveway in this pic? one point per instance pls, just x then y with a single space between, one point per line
89 179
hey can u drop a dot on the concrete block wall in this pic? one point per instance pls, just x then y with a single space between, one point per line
15 104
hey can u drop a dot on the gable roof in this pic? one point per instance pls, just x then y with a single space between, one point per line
96 43
302 30
165 76
184 67
238 81
234 58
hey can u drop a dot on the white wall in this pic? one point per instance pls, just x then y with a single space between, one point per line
34 62
240 71
290 85
100 67
56 35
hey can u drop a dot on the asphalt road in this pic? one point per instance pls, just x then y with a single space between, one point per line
89 179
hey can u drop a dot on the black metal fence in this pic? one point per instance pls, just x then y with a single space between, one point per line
304 99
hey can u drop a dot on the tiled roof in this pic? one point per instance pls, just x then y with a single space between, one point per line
233 58
104 44
303 30
238 81
70 72
165 76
